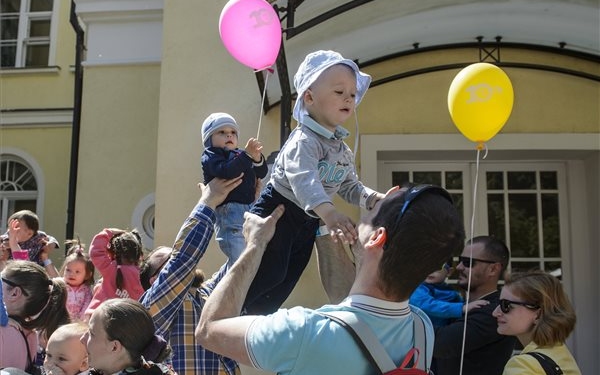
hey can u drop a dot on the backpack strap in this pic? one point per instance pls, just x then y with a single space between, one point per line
549 366
372 347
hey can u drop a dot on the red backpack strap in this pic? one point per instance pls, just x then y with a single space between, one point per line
411 357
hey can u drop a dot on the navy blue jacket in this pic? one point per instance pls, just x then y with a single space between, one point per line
223 163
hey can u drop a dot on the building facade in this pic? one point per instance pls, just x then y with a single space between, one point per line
154 70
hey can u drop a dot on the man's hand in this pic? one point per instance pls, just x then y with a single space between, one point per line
258 231
217 190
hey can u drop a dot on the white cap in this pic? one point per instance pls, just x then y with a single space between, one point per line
311 68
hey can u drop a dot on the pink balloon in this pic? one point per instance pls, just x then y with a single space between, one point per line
251 32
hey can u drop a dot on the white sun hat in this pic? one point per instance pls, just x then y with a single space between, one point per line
311 68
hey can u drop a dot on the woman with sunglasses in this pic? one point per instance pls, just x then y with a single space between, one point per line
534 308
35 304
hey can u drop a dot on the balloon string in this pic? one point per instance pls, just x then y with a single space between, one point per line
356 134
262 103
471 229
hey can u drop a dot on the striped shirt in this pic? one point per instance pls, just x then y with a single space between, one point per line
176 307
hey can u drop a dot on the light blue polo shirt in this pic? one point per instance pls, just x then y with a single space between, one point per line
300 341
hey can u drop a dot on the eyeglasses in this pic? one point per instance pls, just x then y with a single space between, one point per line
466 261
14 285
414 192
506 305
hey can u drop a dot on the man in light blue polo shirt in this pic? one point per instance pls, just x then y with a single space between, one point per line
406 236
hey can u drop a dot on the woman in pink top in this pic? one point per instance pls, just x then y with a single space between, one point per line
116 254
33 302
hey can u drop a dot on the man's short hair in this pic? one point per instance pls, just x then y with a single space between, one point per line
494 248
418 241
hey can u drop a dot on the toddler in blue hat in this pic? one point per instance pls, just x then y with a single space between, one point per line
313 165
222 158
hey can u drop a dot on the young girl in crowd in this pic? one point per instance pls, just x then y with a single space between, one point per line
122 340
25 240
535 308
116 254
65 353
78 273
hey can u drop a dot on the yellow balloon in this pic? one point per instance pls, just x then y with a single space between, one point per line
480 101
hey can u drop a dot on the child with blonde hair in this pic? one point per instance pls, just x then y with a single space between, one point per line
117 254
65 353
313 166
78 274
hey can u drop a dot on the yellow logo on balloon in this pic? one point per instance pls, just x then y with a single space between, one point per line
480 101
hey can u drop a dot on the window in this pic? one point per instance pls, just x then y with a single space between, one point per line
523 210
25 31
18 189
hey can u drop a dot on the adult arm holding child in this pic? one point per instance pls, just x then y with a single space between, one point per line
221 329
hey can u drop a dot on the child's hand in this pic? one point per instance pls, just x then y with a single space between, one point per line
47 247
475 305
340 227
254 148
14 228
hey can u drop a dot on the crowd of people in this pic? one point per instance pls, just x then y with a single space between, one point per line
158 314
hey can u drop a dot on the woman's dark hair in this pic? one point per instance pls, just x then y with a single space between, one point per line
29 217
76 252
128 321
45 299
127 249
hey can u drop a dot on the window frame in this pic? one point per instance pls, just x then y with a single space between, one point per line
24 40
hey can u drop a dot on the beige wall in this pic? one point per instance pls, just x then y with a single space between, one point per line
117 146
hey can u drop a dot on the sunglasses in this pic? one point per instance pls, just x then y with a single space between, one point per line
414 192
506 305
467 262
14 285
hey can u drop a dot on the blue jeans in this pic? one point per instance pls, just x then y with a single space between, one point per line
228 230
286 256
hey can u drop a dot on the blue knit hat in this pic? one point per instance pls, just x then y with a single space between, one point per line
3 314
311 68
214 122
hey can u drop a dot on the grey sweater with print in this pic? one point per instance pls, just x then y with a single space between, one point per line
314 164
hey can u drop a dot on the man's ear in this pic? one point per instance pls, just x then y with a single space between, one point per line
378 238
497 269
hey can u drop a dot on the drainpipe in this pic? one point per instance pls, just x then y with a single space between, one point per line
79 48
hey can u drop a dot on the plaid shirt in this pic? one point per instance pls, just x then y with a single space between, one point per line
176 307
